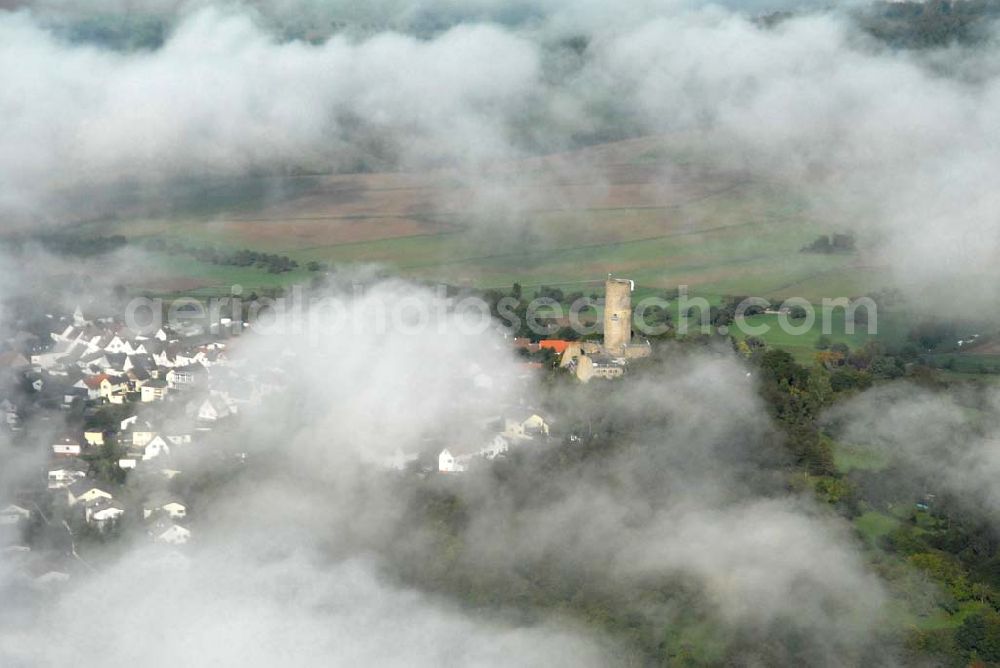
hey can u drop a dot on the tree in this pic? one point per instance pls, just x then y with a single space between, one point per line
979 635
567 333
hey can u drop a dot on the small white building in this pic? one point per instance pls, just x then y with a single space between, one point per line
85 491
154 448
61 476
525 425
452 463
66 448
172 508
102 512
153 390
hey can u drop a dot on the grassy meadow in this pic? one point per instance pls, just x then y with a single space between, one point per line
652 209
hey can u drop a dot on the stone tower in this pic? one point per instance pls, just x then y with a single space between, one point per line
617 315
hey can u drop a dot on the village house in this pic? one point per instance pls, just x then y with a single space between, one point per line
210 409
102 512
524 424
84 491
167 506
455 459
66 447
138 434
154 447
153 390
183 376
495 447
453 463
167 532
599 366
93 437
65 473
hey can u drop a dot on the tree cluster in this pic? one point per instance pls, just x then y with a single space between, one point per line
272 262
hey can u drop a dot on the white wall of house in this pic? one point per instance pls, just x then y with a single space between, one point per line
448 463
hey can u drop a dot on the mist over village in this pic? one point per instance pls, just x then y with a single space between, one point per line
499 333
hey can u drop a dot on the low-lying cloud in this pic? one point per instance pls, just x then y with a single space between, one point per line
892 145
316 554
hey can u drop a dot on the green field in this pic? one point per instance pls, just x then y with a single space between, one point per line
650 209
655 209
848 458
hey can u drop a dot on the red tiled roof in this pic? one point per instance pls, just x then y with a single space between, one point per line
557 345
94 382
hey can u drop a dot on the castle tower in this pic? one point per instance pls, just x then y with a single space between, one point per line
617 315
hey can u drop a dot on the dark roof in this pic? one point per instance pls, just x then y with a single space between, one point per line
70 463
83 486
117 360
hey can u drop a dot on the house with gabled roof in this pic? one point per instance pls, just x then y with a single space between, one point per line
93 437
66 447
164 531
153 390
84 491
522 423
165 505
155 447
65 472
102 512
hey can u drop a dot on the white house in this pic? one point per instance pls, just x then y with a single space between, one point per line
115 345
449 463
66 448
91 384
180 376
61 476
212 409
155 447
102 512
142 434
172 508
524 425
153 390
135 348
496 446
85 491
